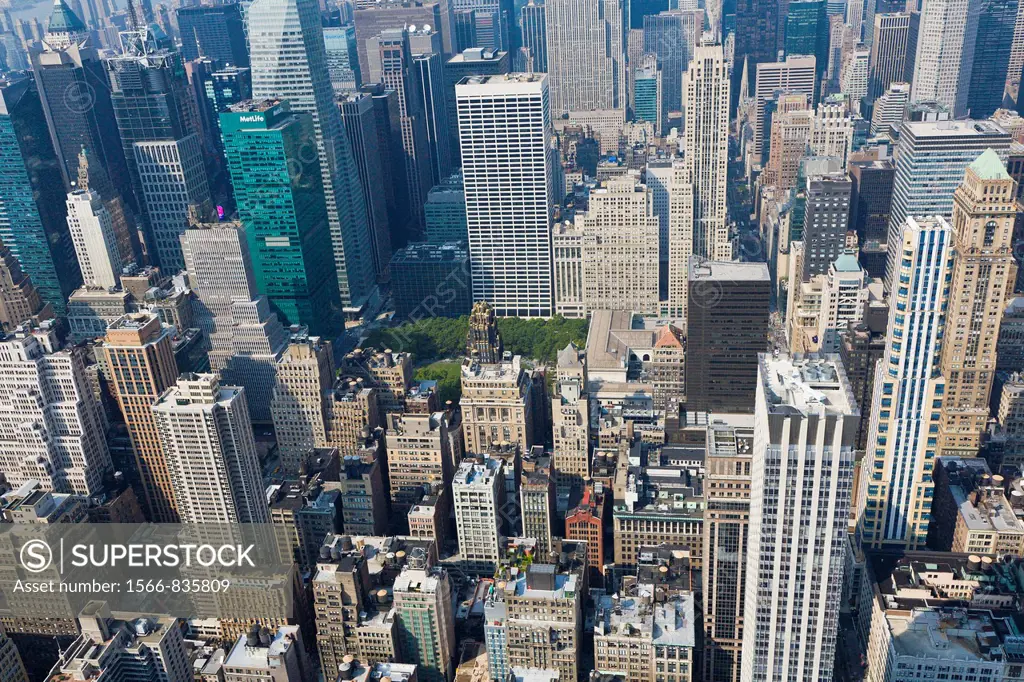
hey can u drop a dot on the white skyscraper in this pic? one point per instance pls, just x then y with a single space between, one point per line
891 108
478 490
805 429
504 133
945 52
586 55
92 233
706 103
853 77
905 416
210 451
51 427
289 62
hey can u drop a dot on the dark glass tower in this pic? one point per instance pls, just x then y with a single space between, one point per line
216 32
996 20
807 33
756 34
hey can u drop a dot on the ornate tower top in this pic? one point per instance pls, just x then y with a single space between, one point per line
483 343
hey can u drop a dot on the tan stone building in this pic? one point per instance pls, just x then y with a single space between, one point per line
304 372
986 524
19 299
570 420
984 211
497 404
351 413
423 451
140 359
643 641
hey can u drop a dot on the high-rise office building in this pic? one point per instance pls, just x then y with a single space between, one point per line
647 92
533 20
19 300
930 161
390 61
372 18
944 53
497 405
890 109
216 32
872 8
31 211
570 420
374 166
791 131
826 217
427 69
992 44
706 103
984 210
757 38
726 315
158 120
478 491
861 346
807 32
888 53
422 452
832 131
619 240
794 76
289 63
140 358
672 36
342 58
727 484
896 490
73 87
92 233
586 55
431 279
426 624
53 423
805 426
304 372
281 202
217 478
870 199
853 78
471 62
509 242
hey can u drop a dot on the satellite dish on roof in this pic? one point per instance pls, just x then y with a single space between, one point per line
426 28
412 28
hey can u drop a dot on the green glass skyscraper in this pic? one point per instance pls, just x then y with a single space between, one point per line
807 33
272 157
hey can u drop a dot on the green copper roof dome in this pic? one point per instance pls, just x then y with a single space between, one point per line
988 166
63 20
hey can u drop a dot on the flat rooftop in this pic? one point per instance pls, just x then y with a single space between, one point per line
806 383
733 271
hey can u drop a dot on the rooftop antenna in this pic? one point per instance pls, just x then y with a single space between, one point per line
133 20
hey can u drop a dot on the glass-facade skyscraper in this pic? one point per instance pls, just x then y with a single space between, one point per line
271 154
807 31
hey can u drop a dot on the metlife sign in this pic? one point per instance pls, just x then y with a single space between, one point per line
211 571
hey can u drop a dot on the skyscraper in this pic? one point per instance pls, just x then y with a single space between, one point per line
805 427
995 32
342 57
570 420
794 76
586 55
139 356
757 39
286 45
945 53
896 488
281 202
304 372
52 421
391 63
92 233
727 484
217 477
374 166
216 32
426 624
807 32
427 69
509 241
472 62
888 53
930 161
533 18
706 102
19 300
158 121
75 94
478 491
726 318
672 36
826 218
890 108
984 209
28 219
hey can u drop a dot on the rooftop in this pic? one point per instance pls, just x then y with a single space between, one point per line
952 634
989 166
806 383
703 269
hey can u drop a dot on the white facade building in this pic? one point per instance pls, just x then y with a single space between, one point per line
92 233
945 52
586 55
51 425
706 123
210 452
905 414
479 493
504 134
805 428
793 76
